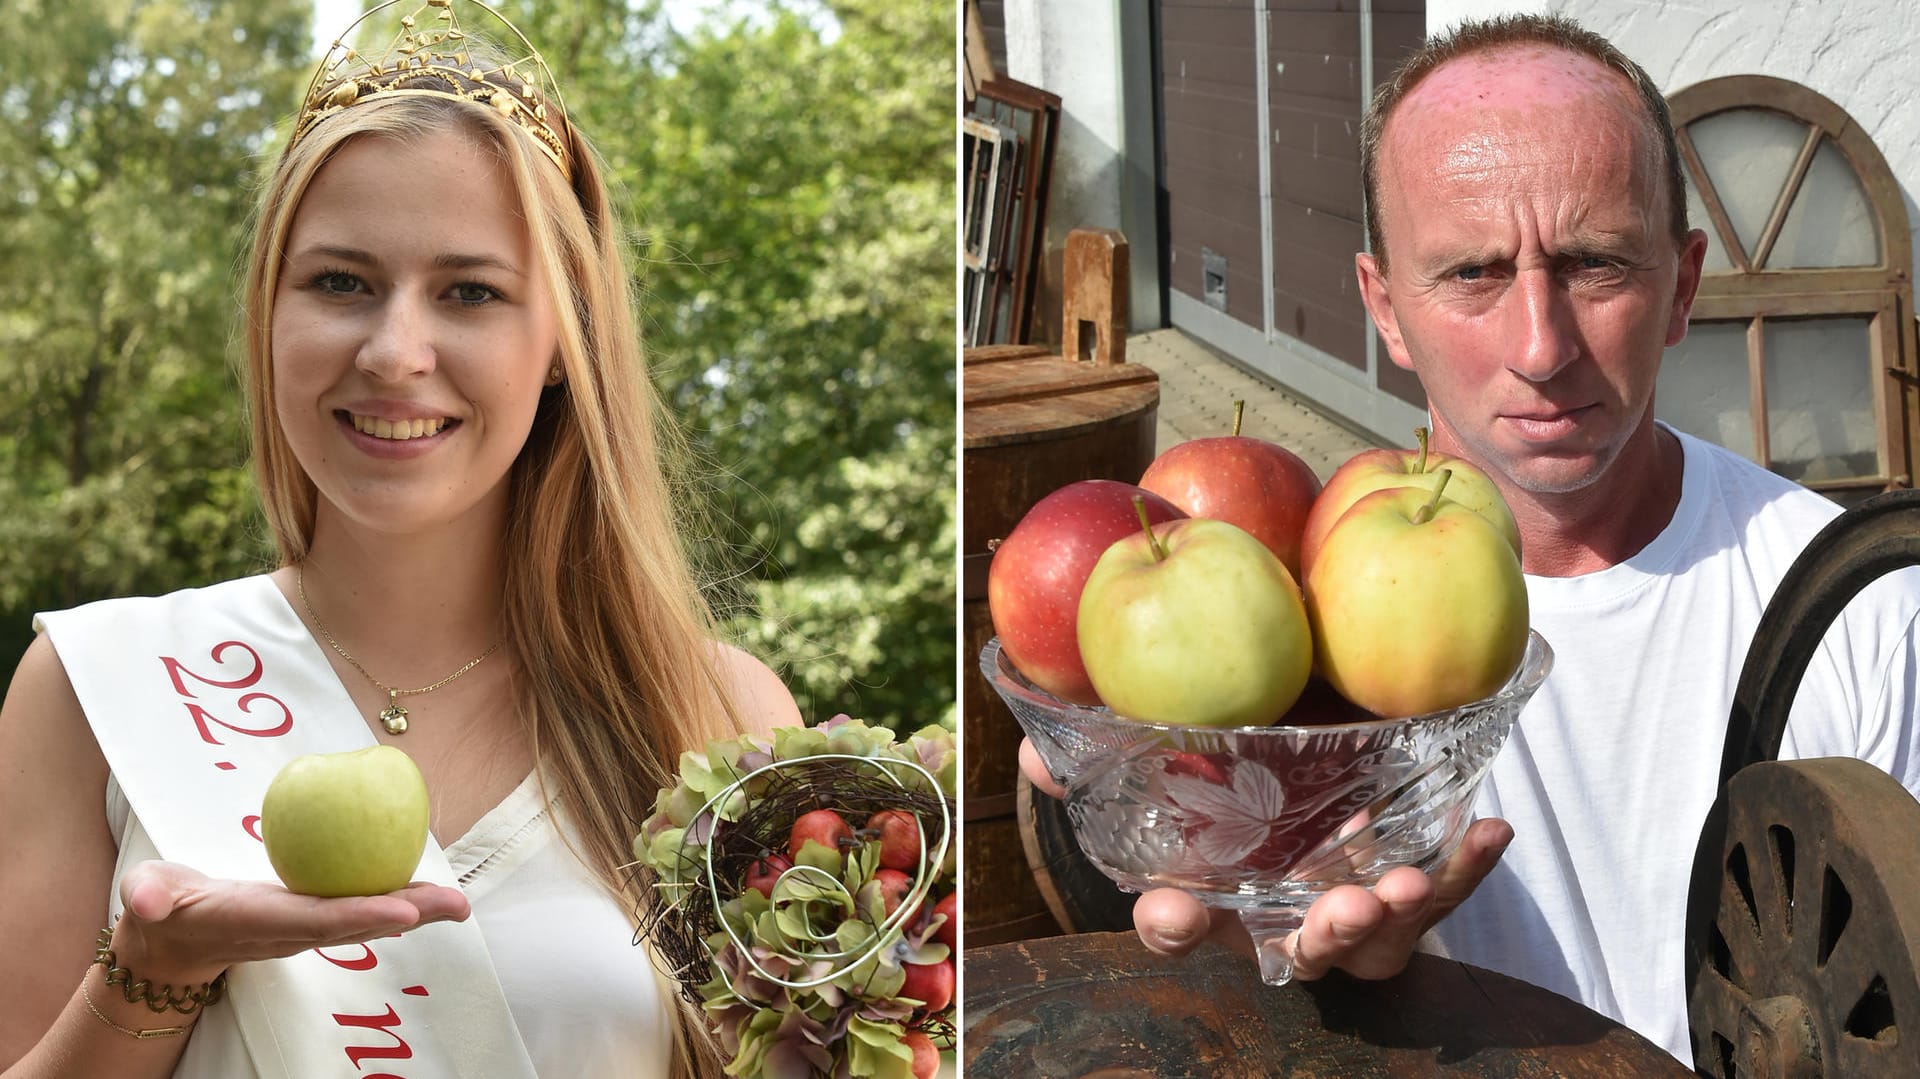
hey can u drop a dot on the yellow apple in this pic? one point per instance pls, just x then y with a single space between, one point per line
352 823
1417 603
1196 623
1377 470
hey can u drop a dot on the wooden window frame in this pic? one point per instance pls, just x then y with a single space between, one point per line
1883 293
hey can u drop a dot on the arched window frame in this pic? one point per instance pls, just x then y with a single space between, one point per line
1881 293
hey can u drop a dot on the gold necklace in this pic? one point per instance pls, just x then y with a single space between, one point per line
393 717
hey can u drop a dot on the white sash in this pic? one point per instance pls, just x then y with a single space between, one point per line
197 698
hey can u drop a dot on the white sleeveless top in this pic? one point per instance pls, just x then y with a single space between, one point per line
587 1000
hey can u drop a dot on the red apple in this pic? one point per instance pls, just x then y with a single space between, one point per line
1260 486
894 886
822 826
926 1058
1320 705
1375 470
1040 569
1195 623
899 833
1200 766
948 932
762 874
1418 603
930 983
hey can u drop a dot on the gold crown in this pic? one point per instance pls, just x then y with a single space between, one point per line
434 60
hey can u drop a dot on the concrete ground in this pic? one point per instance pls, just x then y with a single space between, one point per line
1198 387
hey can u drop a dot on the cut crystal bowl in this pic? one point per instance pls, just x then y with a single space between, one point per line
1262 820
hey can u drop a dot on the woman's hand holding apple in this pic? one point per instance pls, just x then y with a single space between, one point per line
183 927
346 829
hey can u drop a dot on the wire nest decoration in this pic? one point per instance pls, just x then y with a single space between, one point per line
814 951
777 794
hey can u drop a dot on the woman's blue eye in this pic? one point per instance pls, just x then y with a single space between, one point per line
474 294
338 282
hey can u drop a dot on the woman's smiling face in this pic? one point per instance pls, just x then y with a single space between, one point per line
412 332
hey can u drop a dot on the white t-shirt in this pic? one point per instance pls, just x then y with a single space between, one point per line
588 1002
1611 769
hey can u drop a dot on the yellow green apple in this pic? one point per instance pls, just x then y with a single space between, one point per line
1194 622
1376 470
352 823
1417 603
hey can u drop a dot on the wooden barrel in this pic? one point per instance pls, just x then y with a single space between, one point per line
1101 1005
1033 422
1080 898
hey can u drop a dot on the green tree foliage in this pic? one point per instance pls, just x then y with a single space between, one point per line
788 167
789 172
128 136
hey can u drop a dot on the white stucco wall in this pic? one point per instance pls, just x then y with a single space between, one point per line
1072 47
1075 48
1863 55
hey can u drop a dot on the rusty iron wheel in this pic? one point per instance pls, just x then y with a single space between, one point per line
1811 958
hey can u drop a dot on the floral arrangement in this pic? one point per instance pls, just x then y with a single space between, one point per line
809 899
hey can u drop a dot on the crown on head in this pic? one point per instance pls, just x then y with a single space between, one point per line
434 60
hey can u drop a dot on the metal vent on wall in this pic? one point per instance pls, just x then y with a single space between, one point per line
1213 278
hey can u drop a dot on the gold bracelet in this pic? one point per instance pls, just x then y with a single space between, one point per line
154 1032
142 991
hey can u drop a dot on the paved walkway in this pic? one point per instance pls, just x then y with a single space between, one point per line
1198 387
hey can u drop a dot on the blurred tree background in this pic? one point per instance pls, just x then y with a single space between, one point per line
787 167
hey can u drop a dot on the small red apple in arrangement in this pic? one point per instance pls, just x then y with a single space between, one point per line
899 835
765 872
1407 562
931 984
894 886
821 826
948 931
926 1057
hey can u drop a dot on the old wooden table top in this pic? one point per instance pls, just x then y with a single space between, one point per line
1100 1006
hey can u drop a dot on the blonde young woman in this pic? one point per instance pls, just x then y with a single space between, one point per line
457 449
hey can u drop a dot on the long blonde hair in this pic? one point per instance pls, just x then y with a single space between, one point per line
618 671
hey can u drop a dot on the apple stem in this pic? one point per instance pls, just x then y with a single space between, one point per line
1239 410
1425 513
1420 436
1140 507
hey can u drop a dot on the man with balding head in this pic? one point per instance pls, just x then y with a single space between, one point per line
1531 261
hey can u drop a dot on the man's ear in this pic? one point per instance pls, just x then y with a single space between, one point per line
1373 293
1686 285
